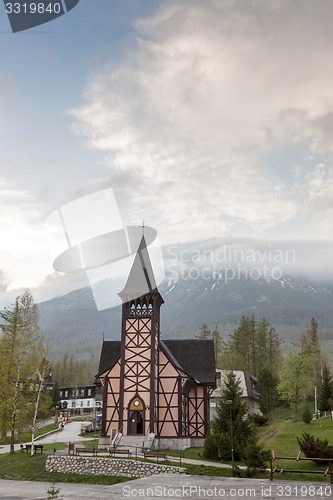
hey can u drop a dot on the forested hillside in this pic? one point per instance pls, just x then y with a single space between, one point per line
72 323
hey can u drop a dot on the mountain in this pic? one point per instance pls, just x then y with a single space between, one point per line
72 323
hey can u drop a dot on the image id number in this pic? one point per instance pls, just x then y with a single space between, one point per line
303 491
33 8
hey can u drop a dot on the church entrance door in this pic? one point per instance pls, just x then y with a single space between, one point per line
136 416
136 422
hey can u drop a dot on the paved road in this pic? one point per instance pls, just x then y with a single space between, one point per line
71 433
171 487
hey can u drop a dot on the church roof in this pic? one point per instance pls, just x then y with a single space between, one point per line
109 355
141 278
194 356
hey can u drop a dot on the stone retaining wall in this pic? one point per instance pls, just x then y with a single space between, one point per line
108 466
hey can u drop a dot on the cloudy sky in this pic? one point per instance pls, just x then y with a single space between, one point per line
207 119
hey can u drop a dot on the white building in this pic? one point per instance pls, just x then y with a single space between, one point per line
80 400
248 384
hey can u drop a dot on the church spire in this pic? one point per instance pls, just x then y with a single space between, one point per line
141 280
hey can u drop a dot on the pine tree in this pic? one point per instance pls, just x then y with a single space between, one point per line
252 347
313 331
217 338
238 351
273 357
205 333
231 429
326 390
268 398
317 361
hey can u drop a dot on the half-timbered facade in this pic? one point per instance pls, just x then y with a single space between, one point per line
151 385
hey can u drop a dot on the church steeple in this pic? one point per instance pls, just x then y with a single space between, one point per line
139 351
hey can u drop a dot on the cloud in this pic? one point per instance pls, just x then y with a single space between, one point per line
213 91
316 192
269 259
24 251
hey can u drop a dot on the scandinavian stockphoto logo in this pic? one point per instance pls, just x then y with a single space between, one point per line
90 236
24 15
228 262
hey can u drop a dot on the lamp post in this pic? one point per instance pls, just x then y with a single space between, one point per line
229 403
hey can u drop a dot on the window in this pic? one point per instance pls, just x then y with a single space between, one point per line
89 392
73 404
88 403
66 394
81 404
212 402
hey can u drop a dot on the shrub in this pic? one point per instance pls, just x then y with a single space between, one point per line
259 419
53 492
307 416
211 447
315 448
254 455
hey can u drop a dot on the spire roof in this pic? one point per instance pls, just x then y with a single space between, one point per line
141 278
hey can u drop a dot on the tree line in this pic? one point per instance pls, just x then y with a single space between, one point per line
69 371
25 370
291 379
282 380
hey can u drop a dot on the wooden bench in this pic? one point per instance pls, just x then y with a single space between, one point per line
119 451
91 451
36 447
154 454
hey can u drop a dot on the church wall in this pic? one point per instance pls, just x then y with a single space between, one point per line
168 429
112 388
168 397
196 411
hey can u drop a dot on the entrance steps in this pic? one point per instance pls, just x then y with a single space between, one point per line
135 441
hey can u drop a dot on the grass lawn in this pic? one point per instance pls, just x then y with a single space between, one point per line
282 438
26 436
193 453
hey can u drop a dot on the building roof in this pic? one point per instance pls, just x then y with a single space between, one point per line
194 356
251 384
109 355
248 383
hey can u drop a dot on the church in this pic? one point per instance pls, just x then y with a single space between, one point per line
151 385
